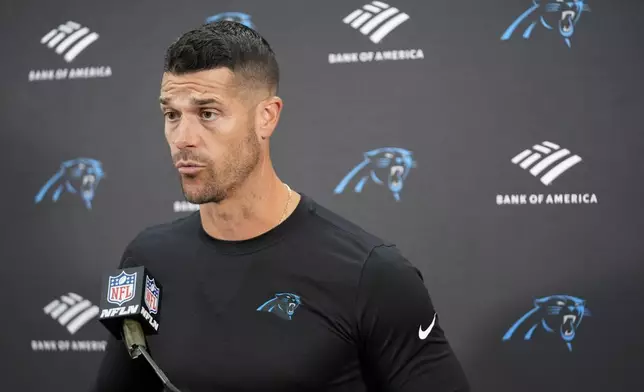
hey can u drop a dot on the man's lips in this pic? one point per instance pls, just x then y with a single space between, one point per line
189 167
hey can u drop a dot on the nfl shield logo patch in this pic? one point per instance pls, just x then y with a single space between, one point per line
121 288
151 295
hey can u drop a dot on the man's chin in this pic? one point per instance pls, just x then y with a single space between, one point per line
195 200
193 194
201 198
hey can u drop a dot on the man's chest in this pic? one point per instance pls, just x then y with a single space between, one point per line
252 331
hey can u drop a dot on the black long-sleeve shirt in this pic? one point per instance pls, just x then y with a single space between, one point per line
316 304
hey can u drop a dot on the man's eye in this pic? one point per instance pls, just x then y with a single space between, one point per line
208 115
171 115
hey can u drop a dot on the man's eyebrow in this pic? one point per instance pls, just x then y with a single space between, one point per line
194 101
203 101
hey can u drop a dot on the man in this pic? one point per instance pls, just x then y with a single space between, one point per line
265 290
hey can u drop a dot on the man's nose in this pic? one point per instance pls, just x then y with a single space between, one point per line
185 134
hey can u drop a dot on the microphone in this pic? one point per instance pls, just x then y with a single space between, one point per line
130 308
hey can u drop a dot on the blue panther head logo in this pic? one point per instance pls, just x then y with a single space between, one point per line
559 314
238 17
79 176
564 14
388 165
282 305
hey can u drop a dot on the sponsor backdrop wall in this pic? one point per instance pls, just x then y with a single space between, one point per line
497 143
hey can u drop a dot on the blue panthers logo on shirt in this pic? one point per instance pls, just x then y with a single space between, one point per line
238 17
79 176
558 314
563 14
282 305
388 166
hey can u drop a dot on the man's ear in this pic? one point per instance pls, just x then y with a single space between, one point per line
267 116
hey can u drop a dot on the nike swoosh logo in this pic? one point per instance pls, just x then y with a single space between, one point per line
423 334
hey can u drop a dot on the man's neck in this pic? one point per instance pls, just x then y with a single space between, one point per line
253 209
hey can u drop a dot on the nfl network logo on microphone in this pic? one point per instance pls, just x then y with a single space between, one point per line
121 288
151 295
128 295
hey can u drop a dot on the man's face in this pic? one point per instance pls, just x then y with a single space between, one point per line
209 126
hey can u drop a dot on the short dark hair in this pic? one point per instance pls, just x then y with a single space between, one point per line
225 44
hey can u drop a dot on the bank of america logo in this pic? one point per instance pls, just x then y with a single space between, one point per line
546 161
376 20
71 311
69 40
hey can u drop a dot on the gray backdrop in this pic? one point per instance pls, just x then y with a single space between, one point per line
479 124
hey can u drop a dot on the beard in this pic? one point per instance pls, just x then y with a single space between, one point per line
216 182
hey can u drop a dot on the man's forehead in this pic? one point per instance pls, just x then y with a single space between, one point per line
216 83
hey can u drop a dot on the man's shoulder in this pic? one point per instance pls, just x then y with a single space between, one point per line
160 236
340 229
382 256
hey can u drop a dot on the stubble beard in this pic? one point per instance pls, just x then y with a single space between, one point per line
236 166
